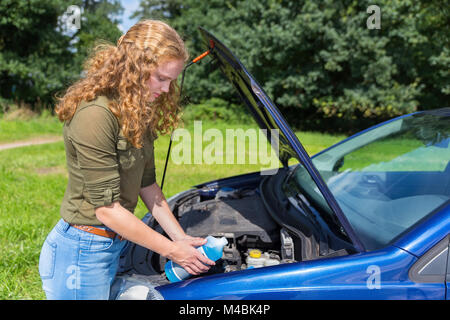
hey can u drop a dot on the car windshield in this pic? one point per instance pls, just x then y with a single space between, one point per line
388 178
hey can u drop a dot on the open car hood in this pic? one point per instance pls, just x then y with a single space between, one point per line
269 117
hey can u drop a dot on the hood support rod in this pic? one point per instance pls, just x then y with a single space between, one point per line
197 59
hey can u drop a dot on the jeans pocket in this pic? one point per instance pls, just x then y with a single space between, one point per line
47 260
95 243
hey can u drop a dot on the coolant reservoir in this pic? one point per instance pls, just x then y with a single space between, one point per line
268 261
257 259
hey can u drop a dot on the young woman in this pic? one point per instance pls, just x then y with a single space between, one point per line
128 96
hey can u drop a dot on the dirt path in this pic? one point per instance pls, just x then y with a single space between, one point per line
30 142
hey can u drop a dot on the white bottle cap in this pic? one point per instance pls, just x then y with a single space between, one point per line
212 241
223 241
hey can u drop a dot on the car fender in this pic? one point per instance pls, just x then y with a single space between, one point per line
381 274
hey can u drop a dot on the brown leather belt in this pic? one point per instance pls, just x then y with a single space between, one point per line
98 231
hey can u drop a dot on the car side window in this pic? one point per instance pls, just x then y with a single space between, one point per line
433 266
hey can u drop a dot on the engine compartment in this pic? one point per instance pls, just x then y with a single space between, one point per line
240 216
237 212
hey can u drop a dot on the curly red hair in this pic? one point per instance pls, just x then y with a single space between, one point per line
120 73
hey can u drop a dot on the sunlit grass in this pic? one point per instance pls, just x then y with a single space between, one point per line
39 126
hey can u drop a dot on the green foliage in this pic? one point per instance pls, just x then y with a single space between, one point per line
215 109
318 59
39 56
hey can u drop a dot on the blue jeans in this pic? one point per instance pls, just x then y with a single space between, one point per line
77 265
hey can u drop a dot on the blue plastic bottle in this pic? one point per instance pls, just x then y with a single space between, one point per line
212 249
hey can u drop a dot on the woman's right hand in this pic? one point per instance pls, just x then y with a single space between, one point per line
188 257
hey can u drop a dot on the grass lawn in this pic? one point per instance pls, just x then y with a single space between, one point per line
15 130
32 184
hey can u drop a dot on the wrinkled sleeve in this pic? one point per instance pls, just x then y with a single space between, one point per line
93 133
149 176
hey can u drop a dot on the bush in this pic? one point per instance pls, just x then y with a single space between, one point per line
215 109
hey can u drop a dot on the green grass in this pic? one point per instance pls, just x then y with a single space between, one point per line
29 204
15 130
32 184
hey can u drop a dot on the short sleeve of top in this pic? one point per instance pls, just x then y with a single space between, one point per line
93 134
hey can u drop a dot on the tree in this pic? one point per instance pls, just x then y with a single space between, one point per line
38 55
318 60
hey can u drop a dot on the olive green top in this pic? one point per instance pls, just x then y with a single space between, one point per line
103 166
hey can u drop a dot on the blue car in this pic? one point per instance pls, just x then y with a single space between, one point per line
368 218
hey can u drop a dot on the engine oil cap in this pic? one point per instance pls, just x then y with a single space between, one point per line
255 253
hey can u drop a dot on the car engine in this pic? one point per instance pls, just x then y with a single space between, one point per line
240 216
254 238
